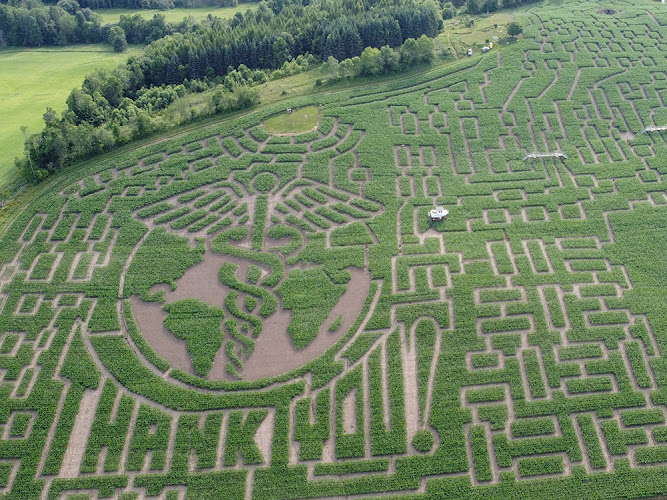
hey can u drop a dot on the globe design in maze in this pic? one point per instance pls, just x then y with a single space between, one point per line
242 302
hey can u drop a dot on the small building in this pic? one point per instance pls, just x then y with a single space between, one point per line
485 49
439 213
469 51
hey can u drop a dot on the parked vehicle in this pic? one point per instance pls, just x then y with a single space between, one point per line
438 214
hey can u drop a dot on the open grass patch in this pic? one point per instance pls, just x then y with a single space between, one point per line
296 121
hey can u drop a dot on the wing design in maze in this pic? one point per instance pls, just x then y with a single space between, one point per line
239 315
271 218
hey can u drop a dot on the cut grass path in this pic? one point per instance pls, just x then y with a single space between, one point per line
32 80
175 15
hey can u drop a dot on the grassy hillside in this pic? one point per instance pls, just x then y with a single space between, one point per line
32 80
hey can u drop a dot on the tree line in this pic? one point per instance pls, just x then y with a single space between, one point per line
35 24
68 23
377 61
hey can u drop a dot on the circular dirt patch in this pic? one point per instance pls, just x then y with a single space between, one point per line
273 352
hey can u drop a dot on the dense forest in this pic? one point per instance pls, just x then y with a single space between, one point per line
33 23
250 37
59 24
265 40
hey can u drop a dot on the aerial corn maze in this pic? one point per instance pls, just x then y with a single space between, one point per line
235 314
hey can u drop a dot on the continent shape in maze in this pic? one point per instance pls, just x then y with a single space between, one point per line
507 343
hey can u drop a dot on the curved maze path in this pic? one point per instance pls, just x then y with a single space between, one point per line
242 315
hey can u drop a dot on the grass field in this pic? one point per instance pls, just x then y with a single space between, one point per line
484 28
457 37
233 313
298 121
32 80
175 15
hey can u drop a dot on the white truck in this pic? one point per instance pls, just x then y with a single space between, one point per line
439 213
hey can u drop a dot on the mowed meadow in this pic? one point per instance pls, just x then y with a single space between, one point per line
32 80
